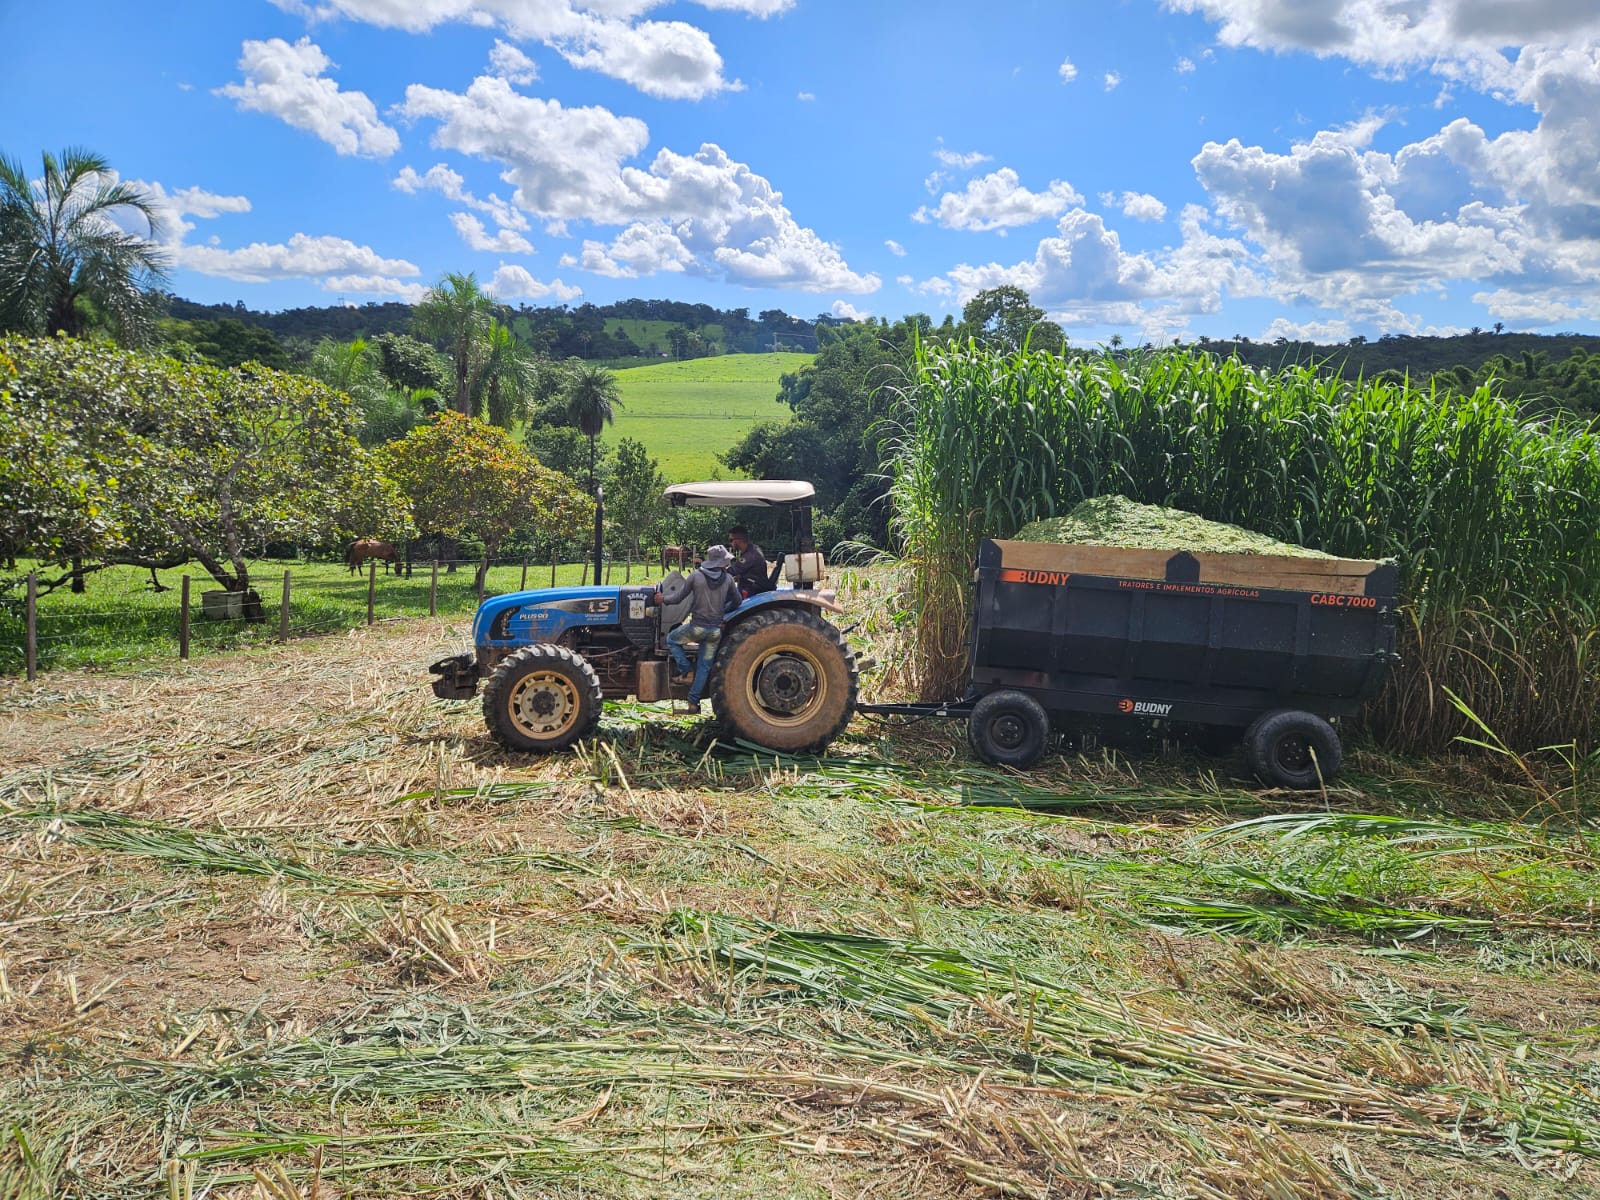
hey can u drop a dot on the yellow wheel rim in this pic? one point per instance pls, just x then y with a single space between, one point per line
786 686
543 704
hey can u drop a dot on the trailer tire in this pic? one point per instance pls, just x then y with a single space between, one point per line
784 679
1009 728
1293 749
541 699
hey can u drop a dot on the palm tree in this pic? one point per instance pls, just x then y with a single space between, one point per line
458 312
592 401
508 378
64 250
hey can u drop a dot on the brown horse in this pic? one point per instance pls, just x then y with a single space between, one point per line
678 554
365 548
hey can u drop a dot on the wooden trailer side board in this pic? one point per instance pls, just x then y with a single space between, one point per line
1336 576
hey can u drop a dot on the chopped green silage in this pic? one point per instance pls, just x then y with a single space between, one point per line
1118 521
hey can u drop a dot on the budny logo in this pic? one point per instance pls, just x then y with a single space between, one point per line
1144 708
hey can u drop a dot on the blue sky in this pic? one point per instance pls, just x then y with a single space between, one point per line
1145 168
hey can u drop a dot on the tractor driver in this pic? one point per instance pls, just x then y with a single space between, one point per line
749 568
715 595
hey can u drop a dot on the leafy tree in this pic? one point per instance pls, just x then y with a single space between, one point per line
112 456
411 365
223 343
64 255
469 479
634 497
1006 316
592 399
834 438
457 313
564 448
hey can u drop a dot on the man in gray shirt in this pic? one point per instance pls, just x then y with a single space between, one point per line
715 595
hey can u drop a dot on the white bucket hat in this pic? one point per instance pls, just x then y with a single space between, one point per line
717 557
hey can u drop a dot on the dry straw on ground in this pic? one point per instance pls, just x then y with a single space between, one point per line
280 923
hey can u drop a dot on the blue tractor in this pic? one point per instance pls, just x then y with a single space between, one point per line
783 678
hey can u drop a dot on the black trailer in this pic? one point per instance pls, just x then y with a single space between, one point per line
1262 648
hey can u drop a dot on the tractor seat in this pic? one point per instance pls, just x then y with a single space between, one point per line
672 615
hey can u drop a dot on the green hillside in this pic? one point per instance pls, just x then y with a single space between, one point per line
686 413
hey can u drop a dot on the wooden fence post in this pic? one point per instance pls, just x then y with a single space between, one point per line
372 586
283 610
433 591
183 620
524 586
553 557
32 641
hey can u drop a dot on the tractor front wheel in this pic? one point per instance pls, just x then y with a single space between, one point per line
784 679
541 699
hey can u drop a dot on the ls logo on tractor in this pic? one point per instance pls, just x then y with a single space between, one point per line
1143 708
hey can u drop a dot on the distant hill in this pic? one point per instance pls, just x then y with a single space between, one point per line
687 413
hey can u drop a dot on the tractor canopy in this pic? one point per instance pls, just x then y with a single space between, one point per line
742 493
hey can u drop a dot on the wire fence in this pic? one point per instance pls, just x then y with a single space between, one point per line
120 620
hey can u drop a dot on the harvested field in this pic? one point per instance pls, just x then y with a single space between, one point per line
282 925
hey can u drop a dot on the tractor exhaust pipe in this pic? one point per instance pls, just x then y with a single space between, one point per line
599 530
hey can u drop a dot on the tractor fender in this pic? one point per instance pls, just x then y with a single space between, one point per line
767 601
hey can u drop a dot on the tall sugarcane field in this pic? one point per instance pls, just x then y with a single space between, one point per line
283 923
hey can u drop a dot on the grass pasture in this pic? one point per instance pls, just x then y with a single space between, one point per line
119 619
686 413
280 924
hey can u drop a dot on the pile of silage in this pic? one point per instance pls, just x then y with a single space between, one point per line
1118 521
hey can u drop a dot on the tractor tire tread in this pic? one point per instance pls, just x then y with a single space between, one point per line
813 741
510 668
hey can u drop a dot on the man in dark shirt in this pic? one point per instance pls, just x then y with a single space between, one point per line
749 569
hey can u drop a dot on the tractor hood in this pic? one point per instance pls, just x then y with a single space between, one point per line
543 615
741 493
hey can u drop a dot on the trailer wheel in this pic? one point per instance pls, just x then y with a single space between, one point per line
1010 728
542 699
1292 749
784 679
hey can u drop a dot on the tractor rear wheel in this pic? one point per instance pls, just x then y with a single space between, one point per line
541 699
784 679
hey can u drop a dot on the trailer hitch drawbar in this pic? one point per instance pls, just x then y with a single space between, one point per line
931 708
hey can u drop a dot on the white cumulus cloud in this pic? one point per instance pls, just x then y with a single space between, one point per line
505 241
511 282
303 256
998 201
895 248
511 64
670 59
1067 71
572 164
288 82
451 184
1141 206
